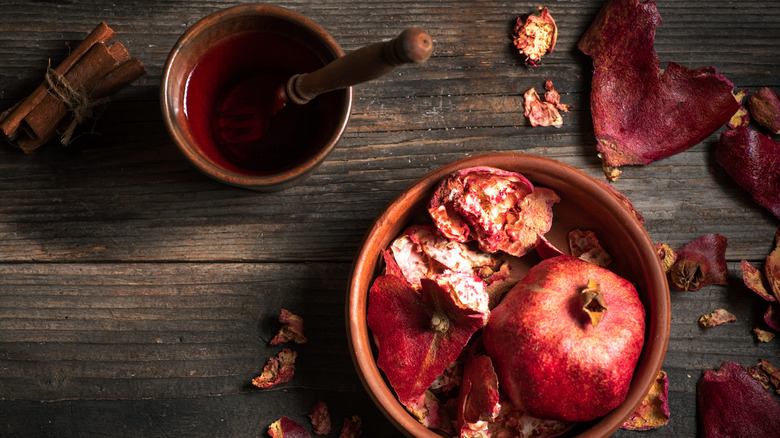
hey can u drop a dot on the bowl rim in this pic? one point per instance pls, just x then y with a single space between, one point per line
263 182
658 318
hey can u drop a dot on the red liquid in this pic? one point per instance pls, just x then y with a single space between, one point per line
241 74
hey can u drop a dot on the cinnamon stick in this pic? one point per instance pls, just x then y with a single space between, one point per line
89 74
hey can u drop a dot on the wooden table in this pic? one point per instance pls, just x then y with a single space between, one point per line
138 296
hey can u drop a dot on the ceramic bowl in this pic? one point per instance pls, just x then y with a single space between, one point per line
220 51
586 203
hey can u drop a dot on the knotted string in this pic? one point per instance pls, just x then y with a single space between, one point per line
77 102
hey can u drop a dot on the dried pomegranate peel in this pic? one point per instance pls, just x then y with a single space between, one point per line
287 428
292 329
352 427
732 403
535 35
742 116
716 318
417 333
277 370
320 418
653 412
752 160
478 399
501 210
765 109
700 263
640 112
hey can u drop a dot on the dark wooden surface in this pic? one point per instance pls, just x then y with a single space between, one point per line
137 296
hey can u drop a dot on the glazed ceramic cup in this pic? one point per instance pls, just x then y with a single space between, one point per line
207 60
586 203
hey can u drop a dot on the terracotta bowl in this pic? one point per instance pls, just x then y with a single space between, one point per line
220 51
586 203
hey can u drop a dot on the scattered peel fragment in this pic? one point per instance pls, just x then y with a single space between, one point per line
765 109
320 418
585 245
732 403
501 210
535 35
478 398
653 412
667 256
716 318
514 422
417 333
278 370
287 428
544 112
352 427
772 267
763 335
772 317
426 410
641 113
292 329
700 263
772 371
755 281
752 160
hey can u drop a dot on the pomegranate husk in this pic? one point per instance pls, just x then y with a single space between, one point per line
772 267
287 428
732 403
478 398
667 256
641 113
763 335
352 427
550 361
277 370
320 418
501 210
417 333
752 160
292 329
765 109
700 263
535 35
756 281
742 116
585 245
716 318
653 412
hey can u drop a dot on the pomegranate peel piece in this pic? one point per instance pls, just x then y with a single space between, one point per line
277 370
716 318
755 281
417 333
287 428
539 112
320 418
772 267
732 403
700 263
641 113
585 245
772 371
352 427
653 412
292 329
501 210
535 35
426 410
478 399
772 317
667 256
763 335
752 160
765 109
742 116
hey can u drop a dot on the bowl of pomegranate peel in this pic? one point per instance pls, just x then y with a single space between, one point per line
508 295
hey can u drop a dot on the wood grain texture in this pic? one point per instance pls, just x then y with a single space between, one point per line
138 296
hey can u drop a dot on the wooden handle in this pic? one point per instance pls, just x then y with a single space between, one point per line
362 65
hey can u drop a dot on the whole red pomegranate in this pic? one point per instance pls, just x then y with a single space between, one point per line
565 340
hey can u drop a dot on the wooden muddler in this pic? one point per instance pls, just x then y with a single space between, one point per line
85 78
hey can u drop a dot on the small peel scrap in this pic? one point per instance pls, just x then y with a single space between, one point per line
535 35
654 410
544 112
732 403
585 245
501 210
766 286
765 109
700 263
478 399
278 370
742 116
320 418
352 427
640 112
287 428
716 318
292 329
752 160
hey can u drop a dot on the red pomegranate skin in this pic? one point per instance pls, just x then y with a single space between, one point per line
550 360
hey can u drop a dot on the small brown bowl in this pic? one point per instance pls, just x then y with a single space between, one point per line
586 203
225 49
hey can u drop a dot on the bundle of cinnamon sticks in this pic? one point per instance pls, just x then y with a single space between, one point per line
70 93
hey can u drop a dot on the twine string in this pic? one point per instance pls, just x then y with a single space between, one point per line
78 103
